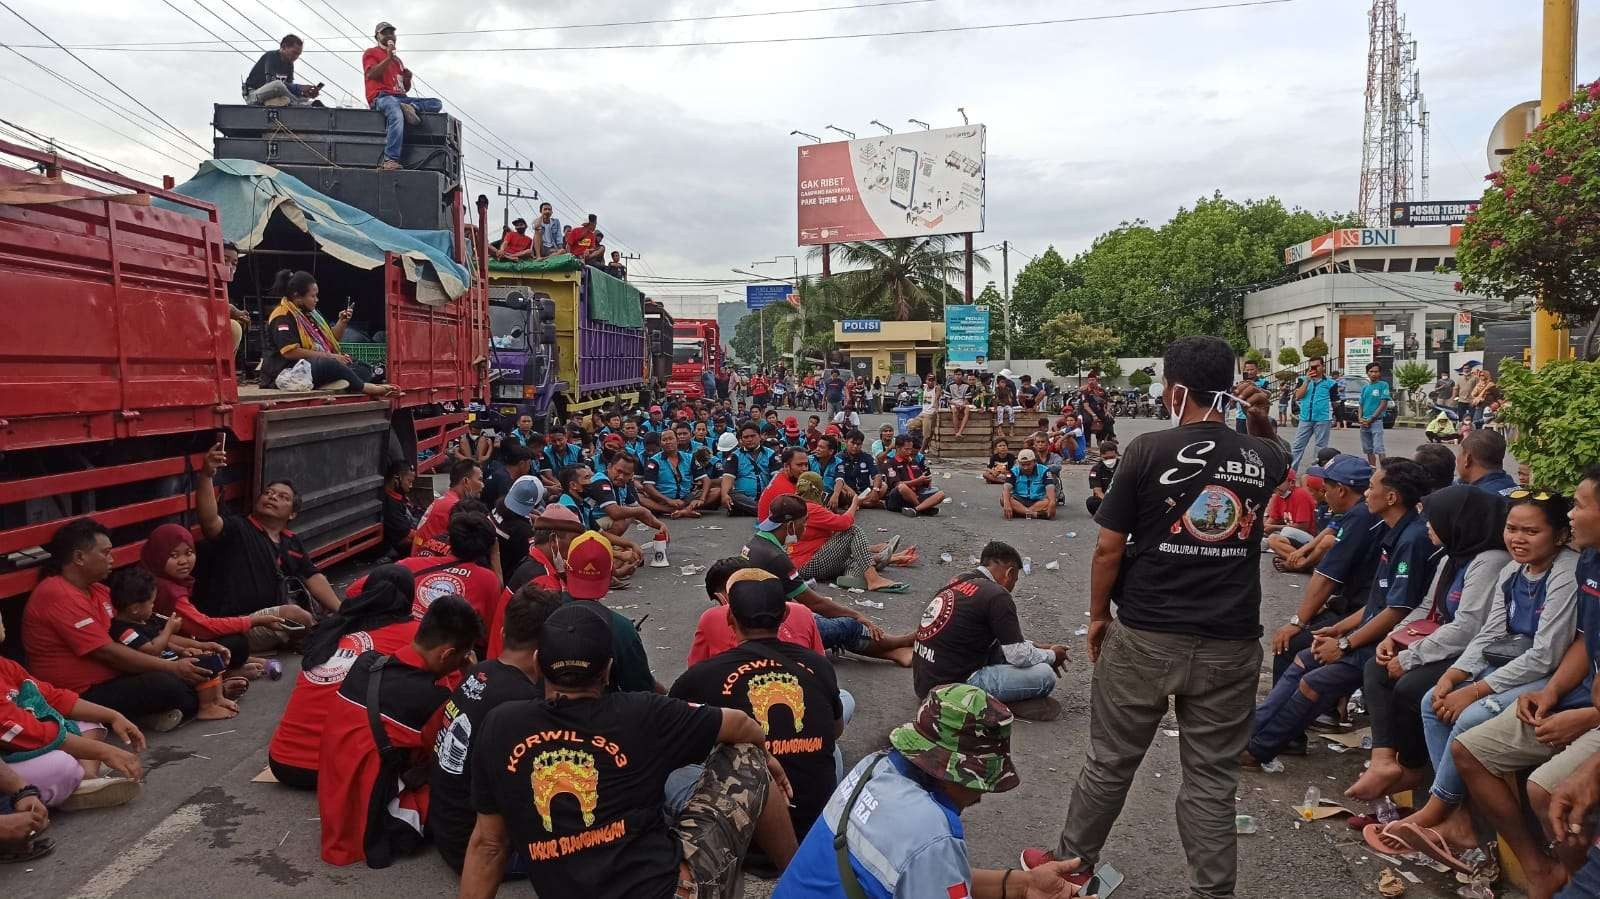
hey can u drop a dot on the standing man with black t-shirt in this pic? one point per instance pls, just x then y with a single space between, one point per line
1188 595
510 677
580 780
791 691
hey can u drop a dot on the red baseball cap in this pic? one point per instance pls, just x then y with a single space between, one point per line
589 566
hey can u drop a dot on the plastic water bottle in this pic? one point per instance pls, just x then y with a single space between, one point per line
1385 811
1027 565
1312 802
1244 824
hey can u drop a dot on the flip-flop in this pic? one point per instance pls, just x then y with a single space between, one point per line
1427 841
892 588
1378 840
27 851
887 555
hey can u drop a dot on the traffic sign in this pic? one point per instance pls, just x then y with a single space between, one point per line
760 296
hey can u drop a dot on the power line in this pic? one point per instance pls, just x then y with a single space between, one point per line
567 27
125 136
56 145
102 77
734 42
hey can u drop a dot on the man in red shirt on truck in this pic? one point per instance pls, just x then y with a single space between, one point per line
388 83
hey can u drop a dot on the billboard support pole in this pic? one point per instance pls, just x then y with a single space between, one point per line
1005 279
827 260
761 334
967 288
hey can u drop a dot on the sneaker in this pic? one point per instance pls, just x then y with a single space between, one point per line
163 722
909 512
1042 709
410 114
101 792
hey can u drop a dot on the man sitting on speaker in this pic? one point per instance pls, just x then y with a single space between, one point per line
271 80
388 83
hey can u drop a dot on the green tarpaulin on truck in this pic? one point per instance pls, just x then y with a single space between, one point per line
614 301
561 262
247 194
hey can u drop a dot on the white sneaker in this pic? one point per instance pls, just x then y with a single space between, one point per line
101 792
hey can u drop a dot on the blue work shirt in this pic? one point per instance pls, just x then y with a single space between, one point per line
1317 404
1353 558
1031 487
580 509
1406 559
1374 394
676 477
830 472
553 461
751 471
1588 575
905 840
1265 384
1496 481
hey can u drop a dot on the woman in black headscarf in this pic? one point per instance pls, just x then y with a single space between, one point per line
379 618
1469 524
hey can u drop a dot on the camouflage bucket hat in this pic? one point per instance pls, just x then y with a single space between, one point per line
809 487
963 736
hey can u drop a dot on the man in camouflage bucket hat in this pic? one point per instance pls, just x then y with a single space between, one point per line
912 843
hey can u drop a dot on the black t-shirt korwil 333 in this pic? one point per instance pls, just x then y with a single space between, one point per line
1192 499
580 784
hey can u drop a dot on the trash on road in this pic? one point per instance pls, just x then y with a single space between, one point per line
1273 767
1082 631
1244 824
1052 565
946 558
869 604
1072 535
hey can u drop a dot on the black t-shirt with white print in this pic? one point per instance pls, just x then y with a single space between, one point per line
1193 570
450 814
580 783
962 630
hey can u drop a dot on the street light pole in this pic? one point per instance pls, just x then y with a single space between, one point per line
1005 278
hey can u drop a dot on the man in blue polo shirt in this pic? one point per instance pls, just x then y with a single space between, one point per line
1375 399
1481 460
673 483
825 461
560 451
1315 395
1030 491
746 471
1333 666
900 812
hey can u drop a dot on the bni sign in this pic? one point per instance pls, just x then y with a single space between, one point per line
861 326
760 296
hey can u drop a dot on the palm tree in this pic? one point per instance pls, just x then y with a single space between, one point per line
904 274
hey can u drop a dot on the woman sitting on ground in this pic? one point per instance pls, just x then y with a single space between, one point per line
1469 523
833 548
1532 620
297 331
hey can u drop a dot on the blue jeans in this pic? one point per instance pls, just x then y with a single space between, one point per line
1447 783
1286 712
1372 438
1008 683
394 122
1585 883
1305 434
849 704
843 633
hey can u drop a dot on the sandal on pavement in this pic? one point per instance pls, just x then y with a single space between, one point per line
1427 841
27 851
887 555
892 588
1380 840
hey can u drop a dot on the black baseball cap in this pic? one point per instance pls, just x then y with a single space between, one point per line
575 641
758 604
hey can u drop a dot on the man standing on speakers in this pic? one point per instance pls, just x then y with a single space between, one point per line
388 82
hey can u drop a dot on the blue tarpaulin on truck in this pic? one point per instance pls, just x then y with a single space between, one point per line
247 194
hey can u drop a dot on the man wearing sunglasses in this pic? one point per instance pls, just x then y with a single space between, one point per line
1315 396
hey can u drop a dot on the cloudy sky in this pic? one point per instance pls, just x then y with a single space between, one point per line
686 154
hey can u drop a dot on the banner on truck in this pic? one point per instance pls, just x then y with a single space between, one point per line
966 336
915 184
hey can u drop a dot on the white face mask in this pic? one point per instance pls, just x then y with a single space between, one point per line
560 561
1219 404
791 538
1109 463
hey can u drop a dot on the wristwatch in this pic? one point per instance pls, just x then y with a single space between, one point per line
1295 620
1344 644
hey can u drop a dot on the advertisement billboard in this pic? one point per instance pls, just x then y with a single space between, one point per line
915 184
966 336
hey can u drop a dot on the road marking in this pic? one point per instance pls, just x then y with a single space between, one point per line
109 881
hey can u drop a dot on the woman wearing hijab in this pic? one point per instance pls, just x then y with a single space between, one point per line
1469 524
377 618
169 555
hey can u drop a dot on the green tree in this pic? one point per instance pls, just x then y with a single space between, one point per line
1475 342
1188 276
1411 376
1288 356
1256 356
1315 348
1555 419
997 319
755 329
906 277
1536 234
1071 344
1140 379
1036 284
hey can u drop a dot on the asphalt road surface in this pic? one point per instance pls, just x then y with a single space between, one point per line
202 828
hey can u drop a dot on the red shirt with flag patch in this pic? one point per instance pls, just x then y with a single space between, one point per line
20 731
61 626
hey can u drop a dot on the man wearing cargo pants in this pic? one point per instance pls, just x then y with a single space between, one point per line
1179 541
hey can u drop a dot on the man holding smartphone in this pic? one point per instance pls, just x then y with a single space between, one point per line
388 83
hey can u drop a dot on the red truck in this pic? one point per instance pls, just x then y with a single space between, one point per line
696 348
117 371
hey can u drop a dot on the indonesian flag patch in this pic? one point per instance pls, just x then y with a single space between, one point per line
957 891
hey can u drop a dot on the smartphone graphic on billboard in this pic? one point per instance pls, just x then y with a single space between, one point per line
903 183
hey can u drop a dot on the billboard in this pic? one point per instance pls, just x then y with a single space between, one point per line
966 336
1431 212
915 184
760 296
